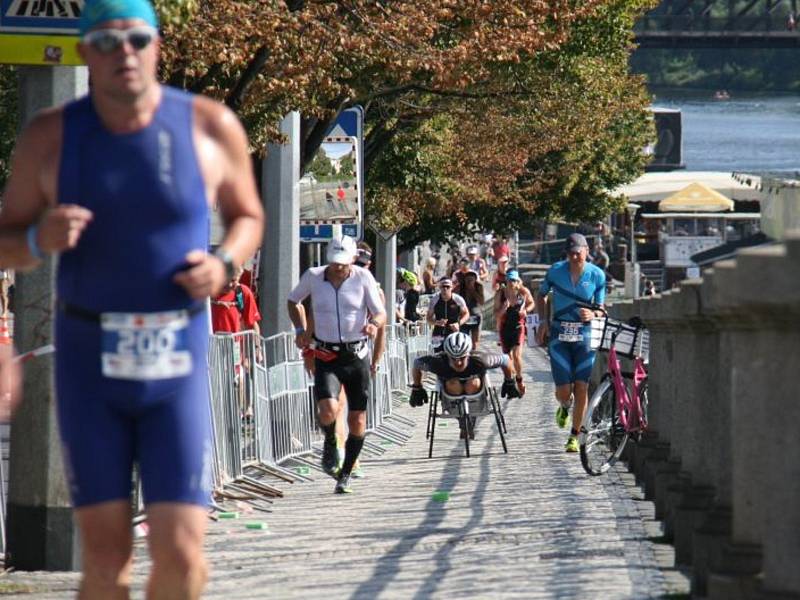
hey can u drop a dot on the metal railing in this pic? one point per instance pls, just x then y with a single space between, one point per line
262 402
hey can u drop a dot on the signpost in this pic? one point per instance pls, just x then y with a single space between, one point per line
332 188
40 533
39 32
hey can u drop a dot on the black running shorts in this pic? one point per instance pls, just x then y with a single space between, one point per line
347 370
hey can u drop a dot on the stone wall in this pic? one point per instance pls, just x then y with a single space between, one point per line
722 457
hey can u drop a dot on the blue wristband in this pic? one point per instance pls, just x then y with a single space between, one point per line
33 245
299 330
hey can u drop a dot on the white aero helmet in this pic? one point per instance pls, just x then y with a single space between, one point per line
457 345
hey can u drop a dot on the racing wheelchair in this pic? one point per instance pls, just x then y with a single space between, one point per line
466 408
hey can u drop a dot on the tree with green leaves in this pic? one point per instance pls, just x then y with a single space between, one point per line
480 113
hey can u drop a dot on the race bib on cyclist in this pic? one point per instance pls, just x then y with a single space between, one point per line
570 332
145 346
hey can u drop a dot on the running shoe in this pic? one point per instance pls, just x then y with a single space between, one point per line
572 444
343 485
339 457
358 472
562 416
329 459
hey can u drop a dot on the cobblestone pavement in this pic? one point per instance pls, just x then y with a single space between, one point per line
529 524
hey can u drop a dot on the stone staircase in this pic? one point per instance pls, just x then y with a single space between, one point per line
654 271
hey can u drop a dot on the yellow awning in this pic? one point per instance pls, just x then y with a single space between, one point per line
695 197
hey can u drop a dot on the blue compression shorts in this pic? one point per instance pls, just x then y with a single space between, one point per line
107 424
570 361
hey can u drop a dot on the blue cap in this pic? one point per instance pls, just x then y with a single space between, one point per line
97 12
513 275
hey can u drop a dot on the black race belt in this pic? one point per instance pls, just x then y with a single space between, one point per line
341 346
89 315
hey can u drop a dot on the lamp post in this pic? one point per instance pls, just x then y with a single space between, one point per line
632 208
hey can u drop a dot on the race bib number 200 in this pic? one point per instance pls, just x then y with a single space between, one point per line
145 346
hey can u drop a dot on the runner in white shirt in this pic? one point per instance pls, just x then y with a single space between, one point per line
343 296
477 264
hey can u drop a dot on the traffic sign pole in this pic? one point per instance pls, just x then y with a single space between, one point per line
41 531
280 252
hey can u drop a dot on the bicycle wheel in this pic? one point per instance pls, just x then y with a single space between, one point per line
602 436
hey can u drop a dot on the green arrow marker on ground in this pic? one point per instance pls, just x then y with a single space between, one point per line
228 515
258 526
441 496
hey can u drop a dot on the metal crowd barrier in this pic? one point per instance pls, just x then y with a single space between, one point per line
262 403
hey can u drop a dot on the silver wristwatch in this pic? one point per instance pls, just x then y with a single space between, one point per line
227 261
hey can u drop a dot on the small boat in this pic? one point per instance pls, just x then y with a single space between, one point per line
722 95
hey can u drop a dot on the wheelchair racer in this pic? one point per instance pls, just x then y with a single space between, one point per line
459 370
574 283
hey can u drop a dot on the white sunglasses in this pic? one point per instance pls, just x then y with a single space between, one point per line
107 41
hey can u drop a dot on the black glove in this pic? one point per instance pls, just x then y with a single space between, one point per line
509 389
418 396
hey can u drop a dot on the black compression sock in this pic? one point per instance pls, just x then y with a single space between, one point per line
352 448
330 432
574 432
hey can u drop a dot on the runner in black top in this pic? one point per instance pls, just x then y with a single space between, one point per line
447 312
472 292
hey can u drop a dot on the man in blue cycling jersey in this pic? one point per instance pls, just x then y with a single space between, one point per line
572 281
119 185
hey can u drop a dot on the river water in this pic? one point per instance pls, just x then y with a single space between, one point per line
741 134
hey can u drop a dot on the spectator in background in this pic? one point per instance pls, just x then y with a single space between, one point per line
429 276
235 308
248 275
487 249
600 257
408 283
649 288
452 264
232 311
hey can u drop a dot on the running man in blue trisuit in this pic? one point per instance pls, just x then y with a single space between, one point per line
571 358
119 184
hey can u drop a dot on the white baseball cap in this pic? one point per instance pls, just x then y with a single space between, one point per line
342 250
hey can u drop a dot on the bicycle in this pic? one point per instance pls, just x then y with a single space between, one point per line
614 415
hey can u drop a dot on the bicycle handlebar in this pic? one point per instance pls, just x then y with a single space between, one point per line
633 321
591 306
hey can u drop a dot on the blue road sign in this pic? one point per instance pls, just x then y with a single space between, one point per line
349 124
316 233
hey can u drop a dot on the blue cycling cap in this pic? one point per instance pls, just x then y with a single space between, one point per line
513 275
97 12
